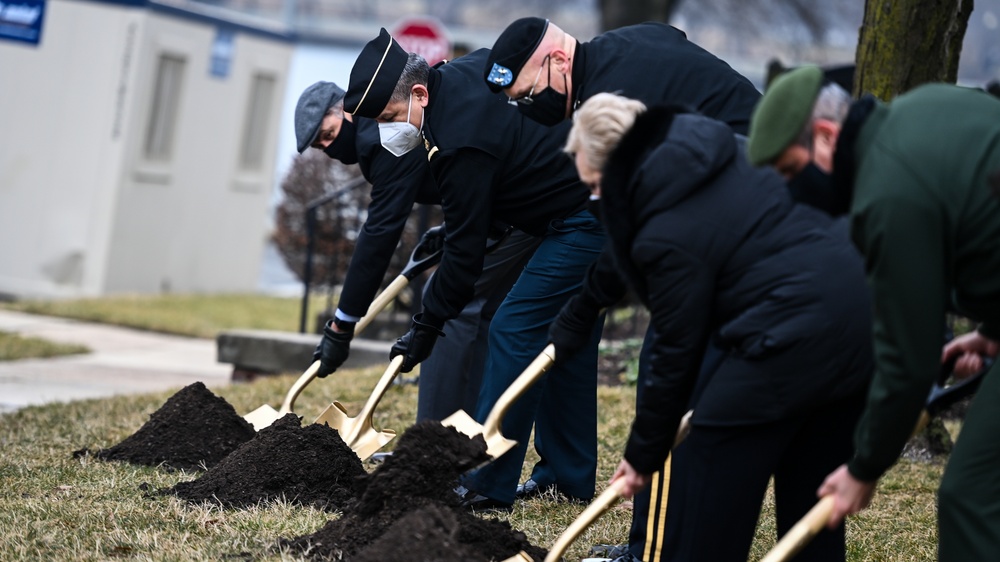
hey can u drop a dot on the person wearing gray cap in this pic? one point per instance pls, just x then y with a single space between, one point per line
491 163
916 176
450 379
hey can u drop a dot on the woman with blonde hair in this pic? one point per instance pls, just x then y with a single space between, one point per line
722 257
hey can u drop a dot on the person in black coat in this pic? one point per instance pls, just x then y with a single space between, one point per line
450 378
719 253
535 61
491 163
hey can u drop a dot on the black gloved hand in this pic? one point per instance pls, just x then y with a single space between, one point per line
415 345
333 349
433 239
571 330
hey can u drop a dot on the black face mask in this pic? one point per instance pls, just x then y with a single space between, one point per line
815 188
594 208
549 106
343 148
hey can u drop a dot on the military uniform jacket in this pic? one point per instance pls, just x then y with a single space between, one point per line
397 183
928 225
717 250
490 164
656 64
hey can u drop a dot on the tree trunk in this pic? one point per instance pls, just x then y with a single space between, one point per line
905 43
619 13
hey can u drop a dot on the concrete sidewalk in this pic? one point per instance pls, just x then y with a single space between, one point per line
122 361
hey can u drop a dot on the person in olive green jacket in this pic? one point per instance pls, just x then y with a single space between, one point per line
916 175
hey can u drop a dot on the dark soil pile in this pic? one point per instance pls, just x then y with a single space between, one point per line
193 430
308 465
409 510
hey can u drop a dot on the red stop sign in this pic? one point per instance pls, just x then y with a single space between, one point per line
424 36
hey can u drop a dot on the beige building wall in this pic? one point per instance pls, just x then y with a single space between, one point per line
86 207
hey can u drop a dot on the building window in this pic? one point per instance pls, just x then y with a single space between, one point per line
255 123
163 114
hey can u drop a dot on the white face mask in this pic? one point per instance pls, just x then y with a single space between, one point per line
401 137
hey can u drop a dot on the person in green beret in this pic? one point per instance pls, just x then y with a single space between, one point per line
917 177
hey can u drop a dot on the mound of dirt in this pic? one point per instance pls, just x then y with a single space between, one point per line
409 510
308 465
193 430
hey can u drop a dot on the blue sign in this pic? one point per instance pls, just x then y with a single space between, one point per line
222 53
21 20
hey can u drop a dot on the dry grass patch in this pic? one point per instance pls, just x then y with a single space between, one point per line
54 507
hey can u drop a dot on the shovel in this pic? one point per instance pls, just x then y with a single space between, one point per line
421 260
940 398
802 532
359 432
496 443
601 504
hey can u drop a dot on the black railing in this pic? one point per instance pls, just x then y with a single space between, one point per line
311 241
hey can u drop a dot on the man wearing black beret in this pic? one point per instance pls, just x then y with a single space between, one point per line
491 163
549 74
451 377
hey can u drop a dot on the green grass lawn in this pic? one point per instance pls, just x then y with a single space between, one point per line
13 347
54 507
202 316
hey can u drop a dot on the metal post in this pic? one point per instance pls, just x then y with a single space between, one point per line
307 274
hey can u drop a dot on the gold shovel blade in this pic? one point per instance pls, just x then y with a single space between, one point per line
519 557
496 443
262 417
361 437
359 432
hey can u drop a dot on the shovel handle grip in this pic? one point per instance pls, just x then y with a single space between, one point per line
289 404
523 382
802 532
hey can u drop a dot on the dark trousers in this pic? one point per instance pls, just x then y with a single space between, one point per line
719 475
649 507
969 497
562 405
450 378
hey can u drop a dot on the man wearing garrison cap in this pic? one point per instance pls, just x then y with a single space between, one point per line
450 378
549 74
490 163
914 174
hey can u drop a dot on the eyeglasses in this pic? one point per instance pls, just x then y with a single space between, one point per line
528 100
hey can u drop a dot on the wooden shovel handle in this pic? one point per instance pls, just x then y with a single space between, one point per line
382 301
601 503
523 382
289 404
380 388
802 532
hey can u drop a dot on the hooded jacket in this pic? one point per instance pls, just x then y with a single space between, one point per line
717 250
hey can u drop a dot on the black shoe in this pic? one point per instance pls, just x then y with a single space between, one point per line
610 551
531 489
380 457
474 501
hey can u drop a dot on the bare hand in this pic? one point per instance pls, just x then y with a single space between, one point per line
850 494
970 348
634 481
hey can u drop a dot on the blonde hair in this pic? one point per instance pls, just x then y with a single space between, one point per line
599 124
